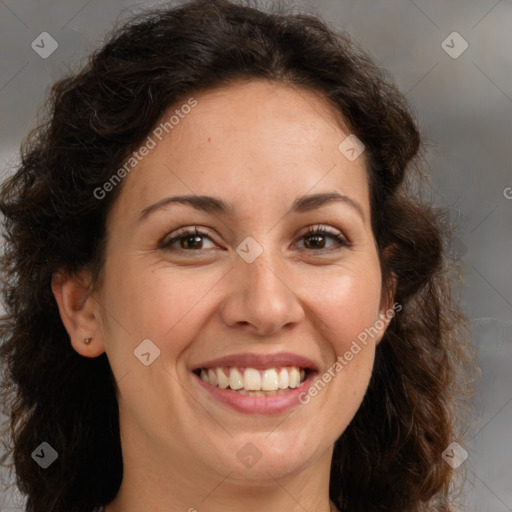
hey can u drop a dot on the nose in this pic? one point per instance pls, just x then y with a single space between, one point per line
261 298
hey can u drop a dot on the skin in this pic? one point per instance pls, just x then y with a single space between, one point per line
258 145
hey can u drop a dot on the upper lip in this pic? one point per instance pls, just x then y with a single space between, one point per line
260 361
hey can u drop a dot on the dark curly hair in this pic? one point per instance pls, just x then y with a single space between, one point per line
389 457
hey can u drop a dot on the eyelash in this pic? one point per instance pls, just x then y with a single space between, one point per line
312 231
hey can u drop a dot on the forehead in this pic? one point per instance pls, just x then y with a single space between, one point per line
256 144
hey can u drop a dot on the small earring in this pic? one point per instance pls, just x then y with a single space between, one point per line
87 340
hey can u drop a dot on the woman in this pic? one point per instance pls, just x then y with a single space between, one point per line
222 291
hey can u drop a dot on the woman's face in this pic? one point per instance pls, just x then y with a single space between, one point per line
250 285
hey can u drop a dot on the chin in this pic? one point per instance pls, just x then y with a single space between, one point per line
259 457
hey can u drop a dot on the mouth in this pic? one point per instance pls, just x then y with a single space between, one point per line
253 381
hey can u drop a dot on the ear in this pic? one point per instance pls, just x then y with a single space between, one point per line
79 311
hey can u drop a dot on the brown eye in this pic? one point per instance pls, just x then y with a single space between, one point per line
191 242
316 239
187 240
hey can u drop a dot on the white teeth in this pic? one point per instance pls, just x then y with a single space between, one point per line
235 379
293 377
283 379
269 381
255 382
223 381
212 376
252 379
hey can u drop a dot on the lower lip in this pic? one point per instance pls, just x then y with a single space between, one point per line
258 404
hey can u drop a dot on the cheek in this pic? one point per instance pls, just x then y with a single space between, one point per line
164 305
347 305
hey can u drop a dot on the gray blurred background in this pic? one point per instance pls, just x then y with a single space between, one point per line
462 98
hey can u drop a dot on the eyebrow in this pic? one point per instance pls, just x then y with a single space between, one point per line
215 205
